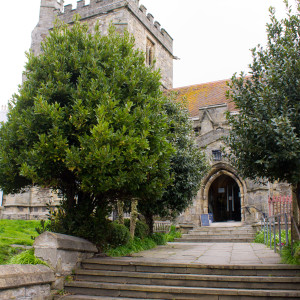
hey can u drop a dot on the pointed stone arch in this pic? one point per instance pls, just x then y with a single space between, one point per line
216 171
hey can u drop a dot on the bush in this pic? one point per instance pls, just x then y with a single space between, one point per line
173 234
133 246
159 238
259 238
141 228
81 221
291 256
118 234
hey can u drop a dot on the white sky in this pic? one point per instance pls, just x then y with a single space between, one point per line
212 38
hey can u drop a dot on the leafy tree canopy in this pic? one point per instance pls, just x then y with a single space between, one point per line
188 165
265 135
88 121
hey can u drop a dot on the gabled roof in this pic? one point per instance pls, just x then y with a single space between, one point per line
204 94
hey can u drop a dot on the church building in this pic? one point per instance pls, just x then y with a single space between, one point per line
223 193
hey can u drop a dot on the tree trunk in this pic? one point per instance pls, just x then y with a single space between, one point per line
133 216
149 221
295 211
120 208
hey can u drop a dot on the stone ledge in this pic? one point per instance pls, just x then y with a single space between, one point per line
15 276
51 240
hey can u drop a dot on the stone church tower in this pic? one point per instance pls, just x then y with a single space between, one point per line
126 14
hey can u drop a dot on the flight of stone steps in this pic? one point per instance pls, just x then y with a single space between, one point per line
107 278
220 232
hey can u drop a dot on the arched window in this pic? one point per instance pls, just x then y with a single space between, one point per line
149 52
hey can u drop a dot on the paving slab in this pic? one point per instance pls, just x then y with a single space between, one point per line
211 254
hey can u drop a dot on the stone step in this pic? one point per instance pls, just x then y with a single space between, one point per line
131 265
210 232
241 228
85 297
171 292
188 280
214 234
213 240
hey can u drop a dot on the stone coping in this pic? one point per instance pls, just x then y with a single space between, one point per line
51 240
15 276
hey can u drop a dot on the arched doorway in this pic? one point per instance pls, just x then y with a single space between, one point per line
224 199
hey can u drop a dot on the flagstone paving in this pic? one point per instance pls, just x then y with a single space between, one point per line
210 254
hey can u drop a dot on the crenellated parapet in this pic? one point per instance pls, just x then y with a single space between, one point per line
150 37
97 8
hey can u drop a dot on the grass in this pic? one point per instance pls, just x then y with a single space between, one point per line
259 238
26 257
17 232
21 232
137 244
288 255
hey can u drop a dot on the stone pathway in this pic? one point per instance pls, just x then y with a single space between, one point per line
210 254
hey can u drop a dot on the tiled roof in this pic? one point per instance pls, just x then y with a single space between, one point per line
204 94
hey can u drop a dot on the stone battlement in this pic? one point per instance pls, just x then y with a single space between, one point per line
103 7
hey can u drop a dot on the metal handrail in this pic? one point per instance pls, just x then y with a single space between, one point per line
270 221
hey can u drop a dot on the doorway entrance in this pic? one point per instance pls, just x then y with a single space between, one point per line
224 199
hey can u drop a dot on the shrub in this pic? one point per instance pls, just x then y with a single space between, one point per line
173 234
159 238
118 234
141 228
133 246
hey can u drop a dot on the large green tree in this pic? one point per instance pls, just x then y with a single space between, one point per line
265 135
188 166
88 121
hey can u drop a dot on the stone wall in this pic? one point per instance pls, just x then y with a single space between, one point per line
63 253
30 205
211 127
26 282
124 14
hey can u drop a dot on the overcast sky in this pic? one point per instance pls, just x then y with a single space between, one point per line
212 38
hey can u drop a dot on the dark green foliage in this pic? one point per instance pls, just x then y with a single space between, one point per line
265 135
291 255
133 246
188 166
159 238
137 244
118 234
88 121
141 228
43 226
173 234
82 221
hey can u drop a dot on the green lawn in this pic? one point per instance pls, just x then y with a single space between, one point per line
18 232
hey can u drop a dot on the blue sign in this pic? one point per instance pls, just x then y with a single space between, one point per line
204 220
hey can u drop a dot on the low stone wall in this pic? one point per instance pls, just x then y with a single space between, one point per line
63 253
26 282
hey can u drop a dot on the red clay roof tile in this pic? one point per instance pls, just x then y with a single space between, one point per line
204 94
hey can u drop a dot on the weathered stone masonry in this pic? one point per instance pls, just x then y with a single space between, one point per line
123 14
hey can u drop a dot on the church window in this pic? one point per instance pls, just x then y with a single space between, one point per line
149 53
217 155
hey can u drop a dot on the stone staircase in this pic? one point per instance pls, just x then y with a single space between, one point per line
107 278
220 233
